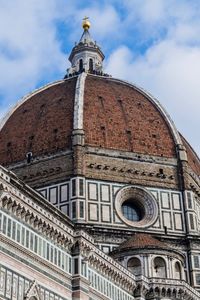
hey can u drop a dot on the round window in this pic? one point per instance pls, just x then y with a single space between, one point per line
132 210
136 206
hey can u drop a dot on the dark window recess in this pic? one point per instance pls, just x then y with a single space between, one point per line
75 265
73 187
36 243
9 227
134 266
4 224
29 157
55 130
161 171
91 65
189 200
81 187
43 105
48 252
191 221
27 239
73 210
132 210
81 209
80 65
14 230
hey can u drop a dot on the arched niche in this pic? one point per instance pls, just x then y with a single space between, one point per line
159 267
134 266
177 271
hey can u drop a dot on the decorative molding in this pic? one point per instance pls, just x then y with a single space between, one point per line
34 219
130 171
33 293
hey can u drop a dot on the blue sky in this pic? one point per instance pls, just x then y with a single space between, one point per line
152 43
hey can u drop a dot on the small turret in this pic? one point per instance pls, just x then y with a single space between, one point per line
86 56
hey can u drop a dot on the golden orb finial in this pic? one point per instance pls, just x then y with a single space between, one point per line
86 23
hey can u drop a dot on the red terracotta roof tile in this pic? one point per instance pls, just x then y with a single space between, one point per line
140 240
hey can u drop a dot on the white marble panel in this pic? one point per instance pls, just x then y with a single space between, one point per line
105 210
93 211
176 201
178 221
92 191
167 220
165 200
105 192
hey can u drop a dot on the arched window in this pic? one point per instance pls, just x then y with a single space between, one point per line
177 268
80 65
134 266
160 267
91 65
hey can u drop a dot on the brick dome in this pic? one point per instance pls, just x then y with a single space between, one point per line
113 114
145 242
42 123
141 240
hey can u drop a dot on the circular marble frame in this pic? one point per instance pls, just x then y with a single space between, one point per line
143 199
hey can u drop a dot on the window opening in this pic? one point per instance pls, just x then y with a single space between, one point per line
91 65
80 65
134 266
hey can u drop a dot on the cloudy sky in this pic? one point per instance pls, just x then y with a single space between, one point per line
152 43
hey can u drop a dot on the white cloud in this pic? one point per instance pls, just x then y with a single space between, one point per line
29 49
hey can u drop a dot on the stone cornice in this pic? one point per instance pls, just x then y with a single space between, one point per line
101 262
44 218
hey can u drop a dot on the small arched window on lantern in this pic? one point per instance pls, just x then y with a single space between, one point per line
159 267
134 266
80 65
91 65
177 270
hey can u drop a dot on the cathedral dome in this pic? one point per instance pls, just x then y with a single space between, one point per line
116 115
105 112
113 114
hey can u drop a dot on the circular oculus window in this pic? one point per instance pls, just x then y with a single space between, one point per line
136 206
